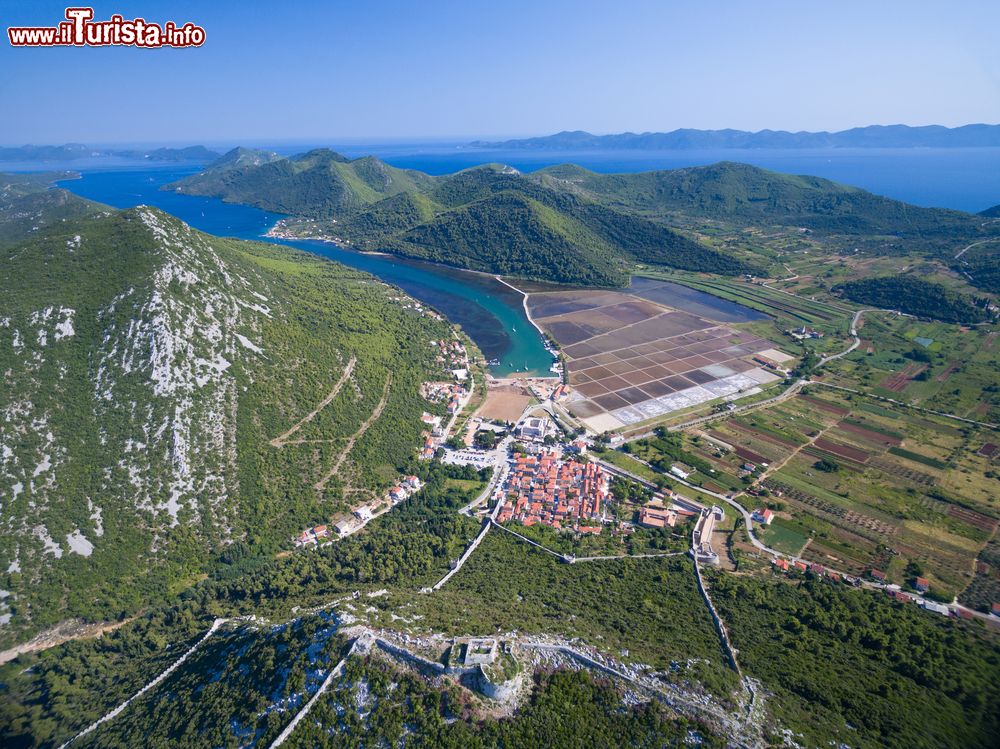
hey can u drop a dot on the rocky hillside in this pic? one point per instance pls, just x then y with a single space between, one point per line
146 367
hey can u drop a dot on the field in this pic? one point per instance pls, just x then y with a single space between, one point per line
631 359
867 486
783 537
503 403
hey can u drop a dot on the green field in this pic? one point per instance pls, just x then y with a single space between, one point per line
780 536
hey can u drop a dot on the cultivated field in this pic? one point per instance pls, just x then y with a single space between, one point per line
864 485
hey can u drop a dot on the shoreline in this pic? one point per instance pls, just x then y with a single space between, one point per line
524 303
289 236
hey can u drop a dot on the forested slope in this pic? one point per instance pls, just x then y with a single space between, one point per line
146 367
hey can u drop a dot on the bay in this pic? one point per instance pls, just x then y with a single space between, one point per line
489 312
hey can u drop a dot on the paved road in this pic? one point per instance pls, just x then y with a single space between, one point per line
974 244
854 334
748 519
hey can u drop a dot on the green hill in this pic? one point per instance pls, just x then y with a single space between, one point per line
27 205
566 223
319 183
146 368
489 218
746 194
914 296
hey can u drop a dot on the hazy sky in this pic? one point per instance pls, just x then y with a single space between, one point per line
375 69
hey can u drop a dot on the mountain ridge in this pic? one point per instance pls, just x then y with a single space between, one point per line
873 136
576 226
132 342
79 151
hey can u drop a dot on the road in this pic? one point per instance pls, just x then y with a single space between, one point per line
854 334
975 244
748 520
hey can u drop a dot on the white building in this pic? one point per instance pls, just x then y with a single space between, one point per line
534 428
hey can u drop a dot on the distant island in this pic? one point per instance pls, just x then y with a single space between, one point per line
873 136
79 151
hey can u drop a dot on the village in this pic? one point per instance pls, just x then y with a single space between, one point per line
550 471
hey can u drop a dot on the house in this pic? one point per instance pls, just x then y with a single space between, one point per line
877 575
764 516
922 584
306 537
345 524
363 513
718 513
681 470
781 564
801 566
995 609
803 332
937 608
901 597
657 517
768 362
321 531
412 482
397 494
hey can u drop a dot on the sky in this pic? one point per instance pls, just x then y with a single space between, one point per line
379 70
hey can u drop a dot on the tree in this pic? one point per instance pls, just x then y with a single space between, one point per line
826 465
485 439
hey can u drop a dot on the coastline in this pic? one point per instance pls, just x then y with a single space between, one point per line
524 303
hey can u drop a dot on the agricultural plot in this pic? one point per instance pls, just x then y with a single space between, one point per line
783 537
947 368
868 486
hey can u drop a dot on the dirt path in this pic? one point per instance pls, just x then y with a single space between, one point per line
282 440
775 467
321 484
73 629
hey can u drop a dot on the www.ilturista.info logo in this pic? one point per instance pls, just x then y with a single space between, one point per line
80 30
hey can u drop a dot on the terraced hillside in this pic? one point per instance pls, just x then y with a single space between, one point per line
146 367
